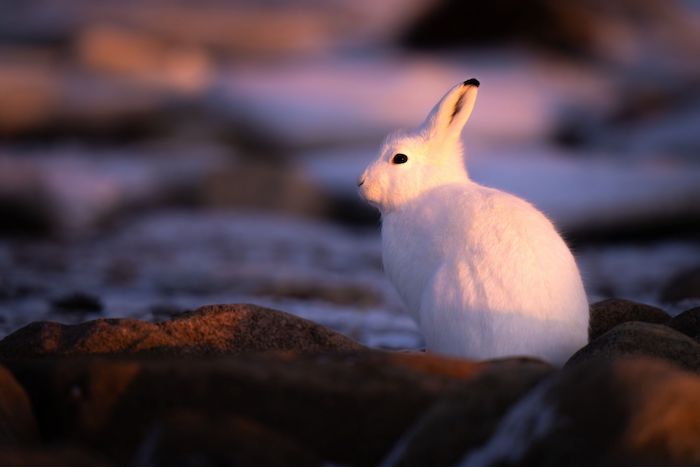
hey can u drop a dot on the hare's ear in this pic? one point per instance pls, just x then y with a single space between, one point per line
449 116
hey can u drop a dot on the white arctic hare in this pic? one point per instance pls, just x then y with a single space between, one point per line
483 272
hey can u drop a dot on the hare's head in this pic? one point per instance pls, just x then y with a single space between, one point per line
411 163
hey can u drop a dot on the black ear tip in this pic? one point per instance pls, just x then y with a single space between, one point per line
472 82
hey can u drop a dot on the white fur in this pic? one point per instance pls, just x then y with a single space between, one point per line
484 273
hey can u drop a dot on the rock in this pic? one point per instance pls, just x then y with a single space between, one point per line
575 28
210 330
607 314
626 412
287 189
642 339
325 404
682 286
30 92
17 424
24 216
77 302
360 296
26 209
687 322
539 22
185 438
57 456
465 417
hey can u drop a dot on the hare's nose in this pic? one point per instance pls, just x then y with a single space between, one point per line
360 182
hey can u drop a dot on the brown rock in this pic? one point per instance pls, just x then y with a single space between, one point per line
327 404
682 286
628 412
642 339
17 424
210 330
466 417
607 314
687 322
184 438
61 456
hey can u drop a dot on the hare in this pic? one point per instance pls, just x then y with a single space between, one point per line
483 272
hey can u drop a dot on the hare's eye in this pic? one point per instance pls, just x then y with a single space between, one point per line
399 159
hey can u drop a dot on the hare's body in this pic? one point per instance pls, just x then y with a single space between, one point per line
483 272
511 287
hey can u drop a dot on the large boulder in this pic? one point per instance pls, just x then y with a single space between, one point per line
210 330
628 412
327 405
54 456
17 423
642 339
468 415
607 314
687 322
186 438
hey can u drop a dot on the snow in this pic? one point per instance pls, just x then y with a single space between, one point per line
84 186
636 272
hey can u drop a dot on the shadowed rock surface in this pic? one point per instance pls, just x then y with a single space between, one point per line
687 322
326 404
185 438
629 412
57 456
607 314
466 417
210 330
642 339
17 424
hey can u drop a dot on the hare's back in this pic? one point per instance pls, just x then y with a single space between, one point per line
507 243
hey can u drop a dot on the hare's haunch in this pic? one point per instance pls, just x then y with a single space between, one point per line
483 272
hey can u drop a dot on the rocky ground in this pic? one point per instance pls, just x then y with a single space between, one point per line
246 385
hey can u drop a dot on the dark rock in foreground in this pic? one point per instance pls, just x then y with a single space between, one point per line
629 412
244 385
210 330
185 437
468 414
609 313
57 456
344 408
17 424
642 339
687 322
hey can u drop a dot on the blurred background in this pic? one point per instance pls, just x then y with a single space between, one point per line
157 155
